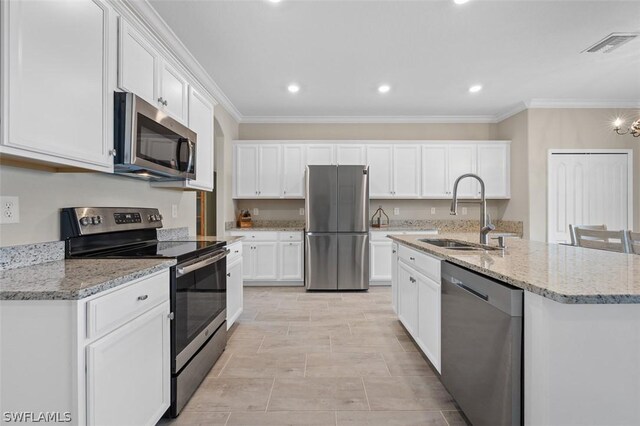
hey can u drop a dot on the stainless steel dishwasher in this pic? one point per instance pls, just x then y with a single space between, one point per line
482 346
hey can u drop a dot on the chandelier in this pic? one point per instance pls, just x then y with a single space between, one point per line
634 129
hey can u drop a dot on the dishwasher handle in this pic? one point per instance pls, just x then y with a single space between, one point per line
470 290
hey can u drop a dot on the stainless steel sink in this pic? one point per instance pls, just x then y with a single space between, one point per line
456 245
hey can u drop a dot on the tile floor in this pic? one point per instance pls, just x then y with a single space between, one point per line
298 358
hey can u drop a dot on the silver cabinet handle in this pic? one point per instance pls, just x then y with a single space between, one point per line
160 100
229 274
413 280
393 251
112 152
143 297
412 258
171 315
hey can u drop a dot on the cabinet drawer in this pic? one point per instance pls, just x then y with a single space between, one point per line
235 251
256 235
428 265
290 236
110 311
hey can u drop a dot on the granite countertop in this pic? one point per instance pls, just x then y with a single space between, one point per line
229 239
296 228
565 274
74 279
403 228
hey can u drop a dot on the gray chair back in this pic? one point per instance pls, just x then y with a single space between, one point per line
572 231
602 240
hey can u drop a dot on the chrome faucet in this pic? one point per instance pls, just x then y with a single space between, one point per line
485 221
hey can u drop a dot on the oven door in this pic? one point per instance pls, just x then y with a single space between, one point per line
199 301
151 144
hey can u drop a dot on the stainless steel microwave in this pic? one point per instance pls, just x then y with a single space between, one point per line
149 144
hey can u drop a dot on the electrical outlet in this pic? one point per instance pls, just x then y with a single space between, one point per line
396 211
464 211
433 210
256 211
301 211
10 210
174 210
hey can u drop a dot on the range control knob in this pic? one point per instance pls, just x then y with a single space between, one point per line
159 217
96 220
151 218
85 221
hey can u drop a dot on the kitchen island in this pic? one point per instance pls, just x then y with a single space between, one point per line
581 325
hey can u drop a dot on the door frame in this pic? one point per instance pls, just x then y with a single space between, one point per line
577 151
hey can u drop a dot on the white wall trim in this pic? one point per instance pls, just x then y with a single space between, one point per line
434 119
581 103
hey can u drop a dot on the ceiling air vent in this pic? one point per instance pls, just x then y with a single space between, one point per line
611 42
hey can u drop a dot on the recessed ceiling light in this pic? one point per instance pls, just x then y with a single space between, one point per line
274 1
384 88
293 88
475 88
460 1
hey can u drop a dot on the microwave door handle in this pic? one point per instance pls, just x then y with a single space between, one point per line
191 154
178 149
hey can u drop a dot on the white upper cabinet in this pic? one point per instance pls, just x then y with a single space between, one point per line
406 171
293 168
380 161
138 64
461 160
174 92
494 169
246 171
434 171
58 86
269 182
350 155
320 154
201 122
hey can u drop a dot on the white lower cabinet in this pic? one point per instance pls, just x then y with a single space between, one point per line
291 260
417 283
381 257
107 357
235 292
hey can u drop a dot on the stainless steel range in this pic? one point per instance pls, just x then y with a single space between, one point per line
198 283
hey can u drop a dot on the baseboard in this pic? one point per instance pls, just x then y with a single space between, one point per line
379 283
273 283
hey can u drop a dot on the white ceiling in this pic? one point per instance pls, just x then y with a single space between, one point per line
430 52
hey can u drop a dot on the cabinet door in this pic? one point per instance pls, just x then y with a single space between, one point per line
270 172
320 155
138 64
380 261
293 166
246 171
350 155
174 91
265 260
291 261
493 168
58 99
234 291
380 160
434 172
201 122
248 260
429 318
408 298
406 171
394 277
461 159
128 372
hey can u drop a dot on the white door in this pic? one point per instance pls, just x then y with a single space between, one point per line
265 260
408 298
394 276
246 171
234 291
291 261
434 172
350 155
248 261
380 160
201 122
59 98
174 91
588 189
406 171
270 172
461 159
493 168
381 258
429 318
293 167
320 155
138 64
128 372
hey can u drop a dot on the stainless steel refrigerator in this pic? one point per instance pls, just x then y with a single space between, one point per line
337 228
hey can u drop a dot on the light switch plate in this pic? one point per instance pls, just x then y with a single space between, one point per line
174 210
10 210
301 211
256 211
433 210
396 211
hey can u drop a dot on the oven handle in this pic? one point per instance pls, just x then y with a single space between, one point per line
190 267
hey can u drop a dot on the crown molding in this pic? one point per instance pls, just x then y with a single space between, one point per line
144 12
510 112
428 119
581 103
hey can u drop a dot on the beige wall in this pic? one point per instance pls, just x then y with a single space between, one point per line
572 128
516 128
43 193
224 167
